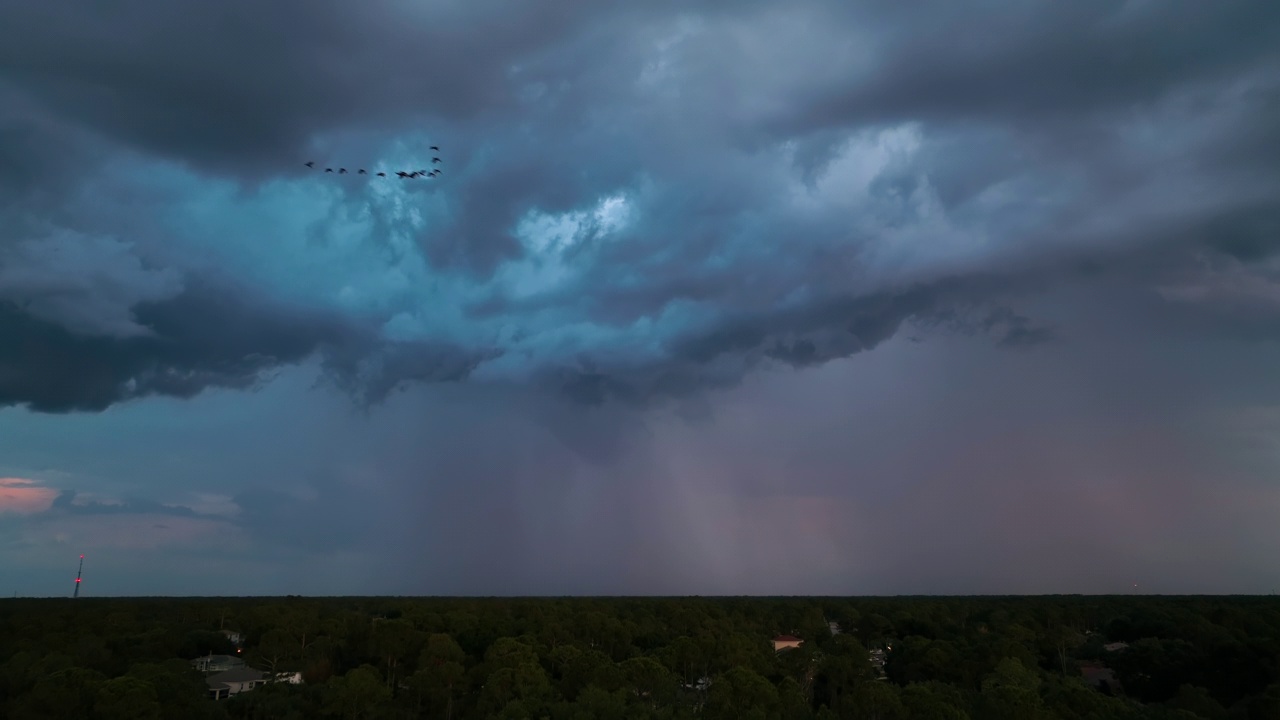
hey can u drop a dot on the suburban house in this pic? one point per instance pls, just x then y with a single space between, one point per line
878 659
786 642
834 627
217 663
703 684
232 682
1100 677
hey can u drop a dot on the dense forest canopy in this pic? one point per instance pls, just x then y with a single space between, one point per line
1022 658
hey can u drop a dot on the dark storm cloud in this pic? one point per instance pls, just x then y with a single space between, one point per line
66 503
1029 66
207 336
211 335
246 85
40 154
1251 235
1121 136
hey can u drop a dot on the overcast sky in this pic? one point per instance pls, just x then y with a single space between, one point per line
711 297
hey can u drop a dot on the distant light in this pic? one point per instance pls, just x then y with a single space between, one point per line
77 579
82 557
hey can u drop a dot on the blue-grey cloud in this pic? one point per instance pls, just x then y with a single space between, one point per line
655 313
636 202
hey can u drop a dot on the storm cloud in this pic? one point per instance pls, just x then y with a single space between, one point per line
647 213
641 200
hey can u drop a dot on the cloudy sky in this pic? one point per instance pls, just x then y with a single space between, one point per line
821 297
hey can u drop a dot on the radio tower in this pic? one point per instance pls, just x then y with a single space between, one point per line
78 572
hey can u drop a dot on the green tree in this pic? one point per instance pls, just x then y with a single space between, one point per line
359 694
648 681
69 693
933 701
515 676
875 701
126 698
793 704
273 650
180 690
596 703
393 640
1199 702
741 694
1012 691
441 670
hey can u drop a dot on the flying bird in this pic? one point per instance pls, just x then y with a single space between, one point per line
406 174
437 149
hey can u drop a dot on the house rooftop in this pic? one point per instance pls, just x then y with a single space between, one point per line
244 674
786 638
217 658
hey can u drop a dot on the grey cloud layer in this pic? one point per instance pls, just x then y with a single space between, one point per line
802 182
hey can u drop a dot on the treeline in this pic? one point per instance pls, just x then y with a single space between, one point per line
1216 658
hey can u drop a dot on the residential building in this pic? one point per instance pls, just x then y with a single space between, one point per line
786 642
217 663
233 682
1100 676
878 657
702 685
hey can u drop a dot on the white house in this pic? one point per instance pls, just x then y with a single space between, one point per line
217 663
786 642
232 682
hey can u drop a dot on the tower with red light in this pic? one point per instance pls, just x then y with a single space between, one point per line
79 572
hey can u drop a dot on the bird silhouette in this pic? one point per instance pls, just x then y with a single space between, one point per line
435 160
401 173
382 174
328 169
342 171
311 164
433 147
362 172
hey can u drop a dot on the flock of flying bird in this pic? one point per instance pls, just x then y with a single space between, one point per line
399 173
